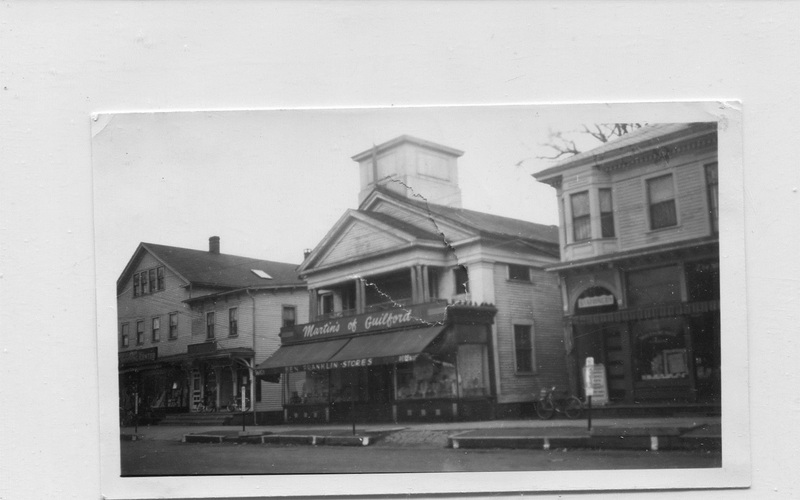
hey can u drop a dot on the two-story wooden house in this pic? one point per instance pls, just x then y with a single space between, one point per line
639 264
193 324
421 309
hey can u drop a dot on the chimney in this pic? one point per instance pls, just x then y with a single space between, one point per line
213 244
306 253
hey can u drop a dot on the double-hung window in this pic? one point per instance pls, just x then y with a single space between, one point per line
523 348
289 316
156 329
661 201
210 325
606 213
160 277
233 321
461 277
124 334
581 216
173 325
139 332
136 290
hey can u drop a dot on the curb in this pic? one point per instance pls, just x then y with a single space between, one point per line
670 441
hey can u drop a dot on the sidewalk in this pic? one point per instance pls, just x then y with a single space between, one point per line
698 433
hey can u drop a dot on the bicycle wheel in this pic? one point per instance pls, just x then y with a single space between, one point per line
573 407
545 409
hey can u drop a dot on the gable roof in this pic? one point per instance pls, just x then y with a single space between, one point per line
199 267
482 223
470 223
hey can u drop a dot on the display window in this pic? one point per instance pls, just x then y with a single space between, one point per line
661 351
426 378
473 369
308 387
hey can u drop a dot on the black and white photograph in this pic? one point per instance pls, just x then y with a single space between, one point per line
418 290
399 249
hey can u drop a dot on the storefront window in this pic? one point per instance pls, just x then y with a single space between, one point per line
425 378
654 286
661 352
473 370
309 387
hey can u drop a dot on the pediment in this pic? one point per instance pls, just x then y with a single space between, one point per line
359 236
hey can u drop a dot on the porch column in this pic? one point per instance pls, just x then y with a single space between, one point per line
217 378
360 300
312 304
415 298
426 293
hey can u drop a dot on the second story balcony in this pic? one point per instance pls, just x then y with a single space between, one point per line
418 284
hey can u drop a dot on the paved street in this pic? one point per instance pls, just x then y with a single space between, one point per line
169 458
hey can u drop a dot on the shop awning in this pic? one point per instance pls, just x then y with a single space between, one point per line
301 354
384 348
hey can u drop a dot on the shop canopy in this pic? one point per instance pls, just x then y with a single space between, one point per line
386 348
382 348
301 354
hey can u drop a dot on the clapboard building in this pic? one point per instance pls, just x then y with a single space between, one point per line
639 266
421 309
194 323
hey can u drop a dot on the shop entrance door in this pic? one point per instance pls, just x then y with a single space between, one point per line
364 394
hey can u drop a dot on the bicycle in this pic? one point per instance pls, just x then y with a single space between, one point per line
549 403
235 405
201 407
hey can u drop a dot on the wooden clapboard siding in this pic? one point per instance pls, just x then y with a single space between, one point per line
537 303
131 309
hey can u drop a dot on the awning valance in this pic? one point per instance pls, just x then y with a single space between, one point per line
299 355
387 348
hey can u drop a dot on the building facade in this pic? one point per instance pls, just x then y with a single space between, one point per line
420 309
193 324
639 266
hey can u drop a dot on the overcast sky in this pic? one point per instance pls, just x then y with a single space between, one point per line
272 183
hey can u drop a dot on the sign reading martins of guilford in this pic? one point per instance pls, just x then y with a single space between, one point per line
416 315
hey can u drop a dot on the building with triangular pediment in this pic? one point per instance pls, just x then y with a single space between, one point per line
421 309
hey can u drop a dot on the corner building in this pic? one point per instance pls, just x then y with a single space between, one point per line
639 264
193 324
420 309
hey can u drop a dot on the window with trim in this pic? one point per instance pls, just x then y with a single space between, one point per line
289 316
519 273
210 325
139 332
606 213
233 321
523 348
173 325
124 334
712 191
149 281
156 329
661 202
581 216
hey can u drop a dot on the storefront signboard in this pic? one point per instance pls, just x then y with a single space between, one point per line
595 383
138 356
353 363
416 315
598 301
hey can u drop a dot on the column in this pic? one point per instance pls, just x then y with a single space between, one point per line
360 296
426 292
415 298
312 304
